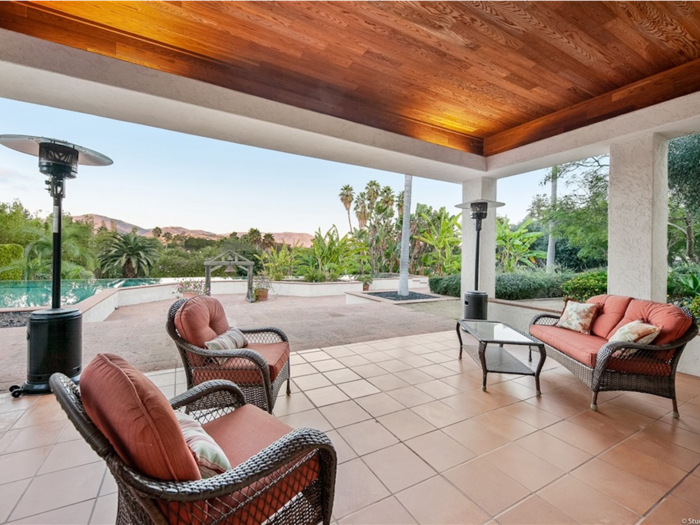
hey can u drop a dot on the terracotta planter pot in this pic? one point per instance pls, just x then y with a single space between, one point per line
261 295
189 295
365 287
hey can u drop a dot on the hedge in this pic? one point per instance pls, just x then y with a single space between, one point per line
8 254
587 285
534 284
449 285
509 286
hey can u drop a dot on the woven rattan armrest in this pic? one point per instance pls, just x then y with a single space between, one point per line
545 319
265 335
210 400
285 450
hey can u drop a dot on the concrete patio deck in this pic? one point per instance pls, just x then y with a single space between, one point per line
417 439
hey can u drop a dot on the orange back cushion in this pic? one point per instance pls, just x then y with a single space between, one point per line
136 418
201 319
610 313
671 319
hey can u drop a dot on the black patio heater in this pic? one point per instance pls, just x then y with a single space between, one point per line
54 336
476 302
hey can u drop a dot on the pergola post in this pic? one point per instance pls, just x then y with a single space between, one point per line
482 188
638 217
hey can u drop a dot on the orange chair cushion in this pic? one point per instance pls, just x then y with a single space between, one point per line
581 347
612 310
201 319
671 319
241 371
244 433
276 355
137 419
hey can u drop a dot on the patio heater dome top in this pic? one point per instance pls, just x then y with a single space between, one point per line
40 146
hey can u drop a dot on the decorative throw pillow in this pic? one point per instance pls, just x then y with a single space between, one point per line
209 456
229 340
578 316
634 332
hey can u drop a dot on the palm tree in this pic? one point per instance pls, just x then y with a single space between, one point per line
361 211
372 194
157 232
268 241
347 194
405 236
253 237
129 253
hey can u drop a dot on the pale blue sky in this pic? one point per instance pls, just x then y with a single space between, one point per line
164 178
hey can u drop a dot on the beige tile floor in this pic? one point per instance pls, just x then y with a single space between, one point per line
418 442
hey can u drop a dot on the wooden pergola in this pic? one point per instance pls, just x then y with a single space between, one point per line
229 258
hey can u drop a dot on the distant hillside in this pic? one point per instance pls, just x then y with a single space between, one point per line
124 227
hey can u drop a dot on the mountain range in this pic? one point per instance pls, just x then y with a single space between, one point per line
304 239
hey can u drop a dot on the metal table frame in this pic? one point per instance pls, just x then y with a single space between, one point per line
500 360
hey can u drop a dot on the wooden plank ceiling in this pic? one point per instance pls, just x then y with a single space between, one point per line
482 77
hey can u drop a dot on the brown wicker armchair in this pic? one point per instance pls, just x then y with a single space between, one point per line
276 485
258 370
633 367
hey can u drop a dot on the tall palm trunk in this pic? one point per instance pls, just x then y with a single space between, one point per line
405 236
347 208
551 250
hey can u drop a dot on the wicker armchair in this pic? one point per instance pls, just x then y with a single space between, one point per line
633 367
266 487
246 367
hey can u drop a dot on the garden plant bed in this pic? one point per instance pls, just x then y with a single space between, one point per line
412 296
13 319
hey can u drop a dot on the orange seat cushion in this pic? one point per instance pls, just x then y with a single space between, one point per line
611 311
668 317
243 371
137 419
244 433
581 347
201 319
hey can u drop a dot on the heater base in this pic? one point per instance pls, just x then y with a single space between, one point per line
32 389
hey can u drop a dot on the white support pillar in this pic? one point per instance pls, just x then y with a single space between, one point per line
482 188
637 218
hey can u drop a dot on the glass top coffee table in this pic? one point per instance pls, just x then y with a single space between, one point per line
498 359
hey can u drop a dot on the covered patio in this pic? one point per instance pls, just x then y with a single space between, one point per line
463 92
417 440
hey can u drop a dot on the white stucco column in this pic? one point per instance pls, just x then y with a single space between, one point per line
482 188
637 218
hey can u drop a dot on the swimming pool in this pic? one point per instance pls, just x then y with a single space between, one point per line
22 294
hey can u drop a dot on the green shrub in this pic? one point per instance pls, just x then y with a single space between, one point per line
586 285
315 276
530 285
10 253
694 307
449 285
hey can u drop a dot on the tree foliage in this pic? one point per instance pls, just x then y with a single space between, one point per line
133 254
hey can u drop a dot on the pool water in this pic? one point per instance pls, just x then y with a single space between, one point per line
22 294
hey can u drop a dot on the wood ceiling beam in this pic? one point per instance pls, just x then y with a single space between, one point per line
676 82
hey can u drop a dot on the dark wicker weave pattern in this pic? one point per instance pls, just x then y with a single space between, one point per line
656 375
247 368
277 485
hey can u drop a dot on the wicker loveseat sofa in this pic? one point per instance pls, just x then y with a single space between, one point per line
604 365
275 474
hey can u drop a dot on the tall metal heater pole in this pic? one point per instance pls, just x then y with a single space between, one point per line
57 232
476 261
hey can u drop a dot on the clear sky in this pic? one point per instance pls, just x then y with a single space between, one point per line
165 178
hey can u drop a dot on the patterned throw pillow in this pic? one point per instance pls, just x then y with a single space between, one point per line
578 316
230 340
210 459
634 332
